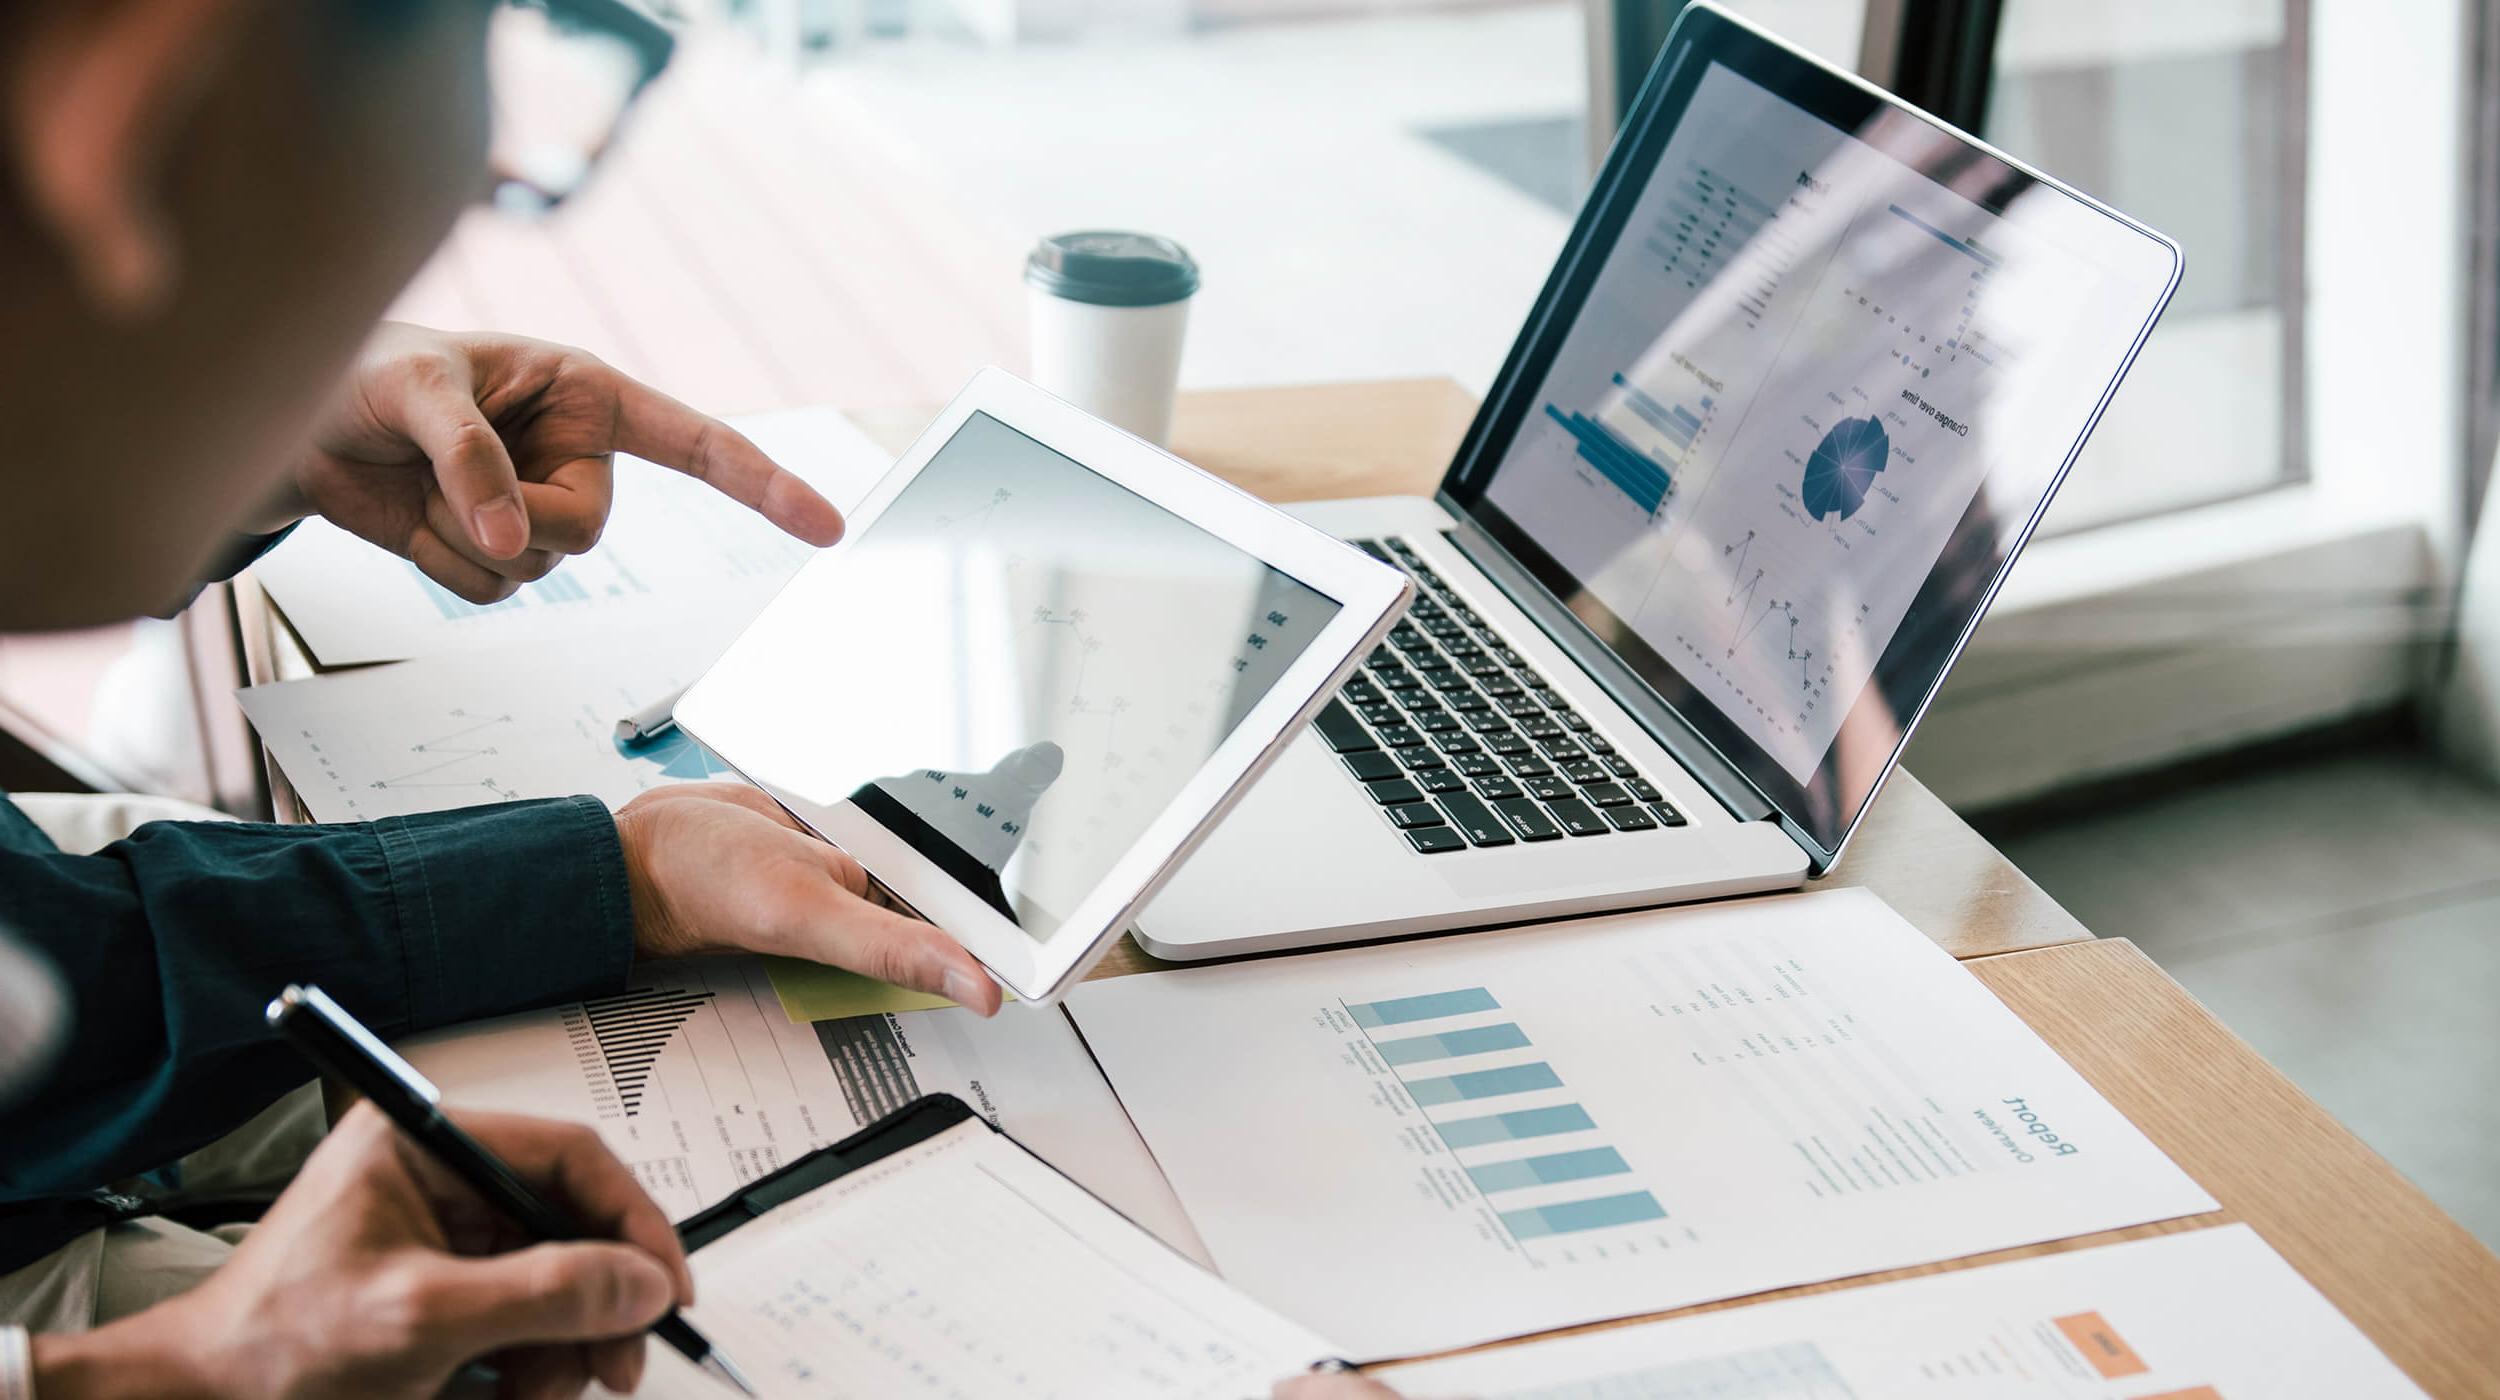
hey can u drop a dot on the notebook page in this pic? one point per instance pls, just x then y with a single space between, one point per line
966 1267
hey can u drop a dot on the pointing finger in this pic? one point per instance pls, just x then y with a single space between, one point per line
651 425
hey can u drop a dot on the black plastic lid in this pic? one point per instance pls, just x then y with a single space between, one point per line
1103 267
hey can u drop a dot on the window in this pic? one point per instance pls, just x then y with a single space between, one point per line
2191 118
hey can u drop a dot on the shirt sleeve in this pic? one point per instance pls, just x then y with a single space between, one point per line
240 552
170 943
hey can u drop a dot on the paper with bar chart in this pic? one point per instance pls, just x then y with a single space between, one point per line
1800 367
490 726
699 1083
2207 1315
1426 1145
677 557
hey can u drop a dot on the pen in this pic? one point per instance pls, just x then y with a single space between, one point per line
339 1044
651 721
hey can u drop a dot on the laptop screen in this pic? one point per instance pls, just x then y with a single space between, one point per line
1812 374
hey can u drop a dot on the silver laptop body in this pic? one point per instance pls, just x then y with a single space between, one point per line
1796 393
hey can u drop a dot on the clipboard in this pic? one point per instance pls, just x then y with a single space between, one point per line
898 1132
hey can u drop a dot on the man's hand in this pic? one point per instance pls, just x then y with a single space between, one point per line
718 867
379 1274
485 459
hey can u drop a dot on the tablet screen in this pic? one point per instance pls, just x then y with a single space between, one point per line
1015 668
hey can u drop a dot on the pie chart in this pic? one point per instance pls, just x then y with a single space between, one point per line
1842 469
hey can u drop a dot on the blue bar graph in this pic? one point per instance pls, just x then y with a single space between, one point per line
1547 1170
560 588
554 588
1481 1040
1483 1084
1983 257
1677 424
451 605
1372 1015
1643 480
1570 1217
1516 1126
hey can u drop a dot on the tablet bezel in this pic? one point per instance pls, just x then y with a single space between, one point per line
1370 598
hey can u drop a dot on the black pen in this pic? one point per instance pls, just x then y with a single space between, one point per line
338 1044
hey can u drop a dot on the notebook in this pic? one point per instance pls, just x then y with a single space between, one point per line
930 1253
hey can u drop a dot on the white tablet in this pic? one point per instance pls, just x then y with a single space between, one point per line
1042 662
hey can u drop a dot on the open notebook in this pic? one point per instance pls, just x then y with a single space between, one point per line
929 1254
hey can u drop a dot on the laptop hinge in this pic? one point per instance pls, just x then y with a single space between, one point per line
1699 756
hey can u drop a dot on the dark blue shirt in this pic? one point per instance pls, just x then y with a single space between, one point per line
170 943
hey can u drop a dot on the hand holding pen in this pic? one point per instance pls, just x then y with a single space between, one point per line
380 1274
564 1229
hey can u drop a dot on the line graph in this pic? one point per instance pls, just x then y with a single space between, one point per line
445 753
1753 612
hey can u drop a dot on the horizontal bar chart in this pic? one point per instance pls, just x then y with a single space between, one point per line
1517 1126
1548 1170
1447 1101
1676 423
1571 1217
1643 480
1483 1084
1960 245
1479 1040
1372 1015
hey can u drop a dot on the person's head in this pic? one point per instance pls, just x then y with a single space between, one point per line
204 206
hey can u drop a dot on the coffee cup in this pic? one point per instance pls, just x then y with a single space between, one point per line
1107 312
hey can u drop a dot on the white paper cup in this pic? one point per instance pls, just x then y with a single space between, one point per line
1107 314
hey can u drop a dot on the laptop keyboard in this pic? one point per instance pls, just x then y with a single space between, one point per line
1463 744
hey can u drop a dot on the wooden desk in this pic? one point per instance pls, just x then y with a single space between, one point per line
2414 1280
2422 1288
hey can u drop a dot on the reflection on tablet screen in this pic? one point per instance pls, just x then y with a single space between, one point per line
1025 663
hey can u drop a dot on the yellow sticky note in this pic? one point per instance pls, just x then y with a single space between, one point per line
814 992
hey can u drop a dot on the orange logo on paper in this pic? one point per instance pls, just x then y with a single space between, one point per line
2102 1346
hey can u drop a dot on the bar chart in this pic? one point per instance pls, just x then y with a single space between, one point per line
1462 1101
1616 460
567 585
1637 442
631 1030
1679 425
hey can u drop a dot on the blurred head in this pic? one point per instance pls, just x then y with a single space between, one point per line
204 206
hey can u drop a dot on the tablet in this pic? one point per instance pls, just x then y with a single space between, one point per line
1042 662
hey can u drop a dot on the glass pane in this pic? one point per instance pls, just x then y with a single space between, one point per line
1371 189
2187 117
1828 29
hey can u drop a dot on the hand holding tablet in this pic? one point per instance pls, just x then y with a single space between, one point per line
1041 664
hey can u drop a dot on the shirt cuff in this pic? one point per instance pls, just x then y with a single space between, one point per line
17 1364
508 908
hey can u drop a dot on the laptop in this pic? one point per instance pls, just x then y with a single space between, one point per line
1807 373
